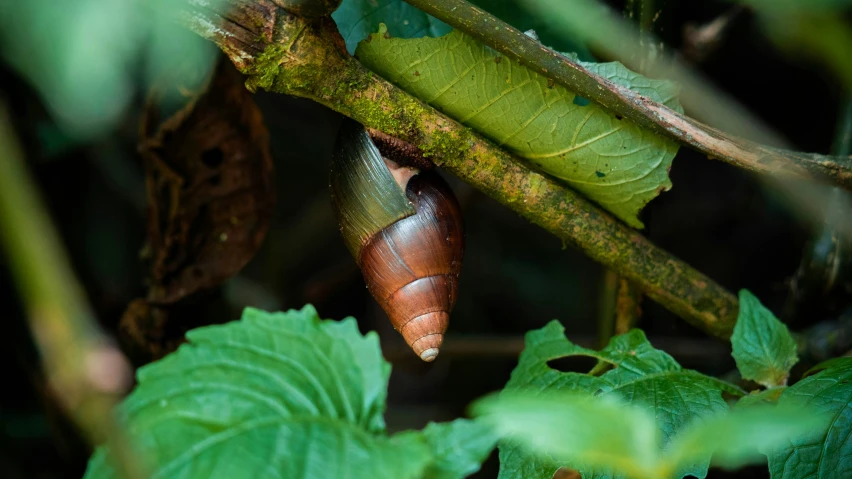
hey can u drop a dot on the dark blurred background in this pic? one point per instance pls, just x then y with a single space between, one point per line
516 277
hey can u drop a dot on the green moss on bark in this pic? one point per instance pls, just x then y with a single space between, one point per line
306 61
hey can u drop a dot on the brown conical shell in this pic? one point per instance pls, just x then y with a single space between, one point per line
412 266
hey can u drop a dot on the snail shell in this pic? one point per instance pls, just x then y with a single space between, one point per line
404 228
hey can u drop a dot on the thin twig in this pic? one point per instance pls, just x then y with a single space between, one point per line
646 113
85 371
606 307
286 54
628 306
826 257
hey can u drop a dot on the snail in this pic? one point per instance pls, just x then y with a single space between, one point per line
309 8
403 226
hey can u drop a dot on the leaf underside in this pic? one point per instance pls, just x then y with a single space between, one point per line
608 159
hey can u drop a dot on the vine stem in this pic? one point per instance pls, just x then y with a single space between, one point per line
645 112
86 372
284 53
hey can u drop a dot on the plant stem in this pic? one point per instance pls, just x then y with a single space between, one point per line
606 307
646 113
627 308
87 374
286 54
825 262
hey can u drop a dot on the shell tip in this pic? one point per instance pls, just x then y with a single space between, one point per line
429 355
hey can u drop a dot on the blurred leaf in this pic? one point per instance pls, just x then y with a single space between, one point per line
823 452
609 159
83 55
358 18
575 429
735 439
821 37
641 375
763 347
797 4
281 395
603 434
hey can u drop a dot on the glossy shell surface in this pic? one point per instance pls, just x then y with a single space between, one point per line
412 266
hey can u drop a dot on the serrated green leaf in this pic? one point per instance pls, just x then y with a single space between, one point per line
610 160
458 448
358 18
642 376
824 452
763 347
273 395
274 447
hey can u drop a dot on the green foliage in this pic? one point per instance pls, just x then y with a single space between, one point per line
458 447
643 376
610 160
290 395
82 55
604 434
573 429
822 452
762 346
358 18
282 395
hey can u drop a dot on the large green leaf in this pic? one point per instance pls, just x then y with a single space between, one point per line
824 452
604 434
609 159
274 395
763 347
358 18
641 375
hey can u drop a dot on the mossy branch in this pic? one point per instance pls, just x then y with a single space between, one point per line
288 54
654 116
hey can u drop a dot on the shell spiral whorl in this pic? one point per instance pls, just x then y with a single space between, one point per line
411 264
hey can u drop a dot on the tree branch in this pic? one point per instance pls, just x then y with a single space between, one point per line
86 373
288 54
651 115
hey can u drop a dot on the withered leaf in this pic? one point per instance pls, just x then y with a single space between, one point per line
210 191
210 188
